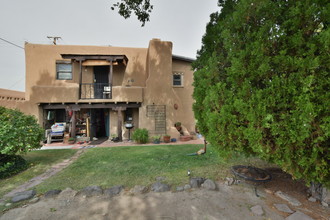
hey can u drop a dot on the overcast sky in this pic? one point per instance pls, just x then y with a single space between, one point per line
82 22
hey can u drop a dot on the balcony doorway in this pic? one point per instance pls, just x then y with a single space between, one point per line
101 80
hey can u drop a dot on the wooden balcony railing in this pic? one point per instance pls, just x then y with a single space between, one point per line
95 91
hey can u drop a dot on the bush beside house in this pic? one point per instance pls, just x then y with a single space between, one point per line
19 133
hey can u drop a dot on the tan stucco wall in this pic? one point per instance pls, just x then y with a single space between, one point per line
160 91
41 68
114 120
150 69
11 99
185 114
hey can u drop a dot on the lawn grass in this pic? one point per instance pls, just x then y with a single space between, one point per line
140 165
39 162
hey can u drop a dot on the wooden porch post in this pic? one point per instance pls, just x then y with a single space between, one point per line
110 75
80 78
119 121
120 124
73 124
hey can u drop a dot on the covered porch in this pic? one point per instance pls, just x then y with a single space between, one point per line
93 119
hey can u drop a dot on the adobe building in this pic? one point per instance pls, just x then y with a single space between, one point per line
100 89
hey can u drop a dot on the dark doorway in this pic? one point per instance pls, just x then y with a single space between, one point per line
98 123
101 79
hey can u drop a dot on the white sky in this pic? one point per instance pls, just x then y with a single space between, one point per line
82 22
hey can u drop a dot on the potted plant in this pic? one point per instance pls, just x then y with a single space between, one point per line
71 140
178 127
167 138
156 139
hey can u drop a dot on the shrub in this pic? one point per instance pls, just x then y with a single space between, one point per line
19 133
141 135
11 165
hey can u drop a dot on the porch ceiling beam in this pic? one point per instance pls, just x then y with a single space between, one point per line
83 57
96 105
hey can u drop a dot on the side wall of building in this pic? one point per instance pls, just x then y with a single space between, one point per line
160 91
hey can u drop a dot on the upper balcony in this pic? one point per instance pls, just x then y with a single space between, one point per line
98 92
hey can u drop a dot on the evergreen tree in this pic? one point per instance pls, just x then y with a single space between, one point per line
262 83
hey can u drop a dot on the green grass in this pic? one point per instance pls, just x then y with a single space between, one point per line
140 165
39 162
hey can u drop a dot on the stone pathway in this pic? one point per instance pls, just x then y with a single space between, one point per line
39 179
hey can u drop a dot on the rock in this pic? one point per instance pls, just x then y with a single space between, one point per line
209 184
269 191
179 188
21 196
326 196
160 187
283 208
298 216
113 191
311 199
229 181
288 198
52 193
139 189
160 178
187 187
8 204
67 194
34 200
196 182
257 210
325 204
91 191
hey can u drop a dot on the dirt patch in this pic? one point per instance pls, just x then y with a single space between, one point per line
283 182
229 202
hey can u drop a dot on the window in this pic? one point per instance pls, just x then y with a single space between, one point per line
63 70
177 79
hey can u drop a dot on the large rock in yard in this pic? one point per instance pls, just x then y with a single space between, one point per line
298 216
288 198
196 182
283 208
113 191
92 191
209 184
257 210
160 187
139 189
21 196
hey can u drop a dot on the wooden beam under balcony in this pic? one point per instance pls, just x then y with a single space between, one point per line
88 106
82 57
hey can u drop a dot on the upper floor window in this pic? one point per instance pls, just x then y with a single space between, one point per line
63 70
178 79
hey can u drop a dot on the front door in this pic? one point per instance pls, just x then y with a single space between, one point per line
101 80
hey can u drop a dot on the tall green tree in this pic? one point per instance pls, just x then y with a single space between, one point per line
141 8
262 83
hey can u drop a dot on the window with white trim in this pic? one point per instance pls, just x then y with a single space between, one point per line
63 70
177 79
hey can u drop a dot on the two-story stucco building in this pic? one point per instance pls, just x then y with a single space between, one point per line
97 89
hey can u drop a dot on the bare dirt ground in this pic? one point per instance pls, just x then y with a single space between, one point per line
228 202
